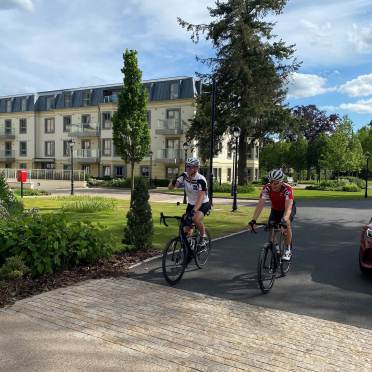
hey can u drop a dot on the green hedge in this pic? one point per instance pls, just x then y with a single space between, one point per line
50 242
226 187
334 185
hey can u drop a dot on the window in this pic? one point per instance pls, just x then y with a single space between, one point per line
9 105
229 174
174 90
145 171
257 151
106 120
49 103
119 171
172 143
8 126
115 97
115 150
8 148
249 152
85 144
149 118
49 125
86 98
85 119
66 167
22 148
23 165
66 148
174 114
171 172
67 99
106 147
229 150
49 148
67 123
24 104
256 174
23 126
106 170
86 168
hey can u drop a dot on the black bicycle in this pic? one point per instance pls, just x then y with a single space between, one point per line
182 249
270 257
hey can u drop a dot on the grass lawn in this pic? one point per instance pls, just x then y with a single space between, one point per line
220 222
300 194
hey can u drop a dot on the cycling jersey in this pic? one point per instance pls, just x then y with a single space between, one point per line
277 198
193 186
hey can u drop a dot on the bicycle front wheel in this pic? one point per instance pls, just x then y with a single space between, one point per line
201 254
174 261
266 269
285 265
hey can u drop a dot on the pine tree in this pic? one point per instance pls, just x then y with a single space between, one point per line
139 230
8 201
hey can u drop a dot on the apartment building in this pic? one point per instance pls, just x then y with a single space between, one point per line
36 130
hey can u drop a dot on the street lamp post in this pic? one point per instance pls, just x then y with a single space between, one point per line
233 169
186 146
151 153
71 144
236 134
367 155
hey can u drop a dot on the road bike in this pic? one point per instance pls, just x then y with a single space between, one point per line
182 249
270 257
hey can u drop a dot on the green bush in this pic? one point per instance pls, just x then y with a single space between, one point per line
139 230
351 187
30 192
226 187
335 185
87 204
14 268
9 201
49 242
161 182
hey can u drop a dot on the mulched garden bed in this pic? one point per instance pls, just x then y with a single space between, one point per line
117 265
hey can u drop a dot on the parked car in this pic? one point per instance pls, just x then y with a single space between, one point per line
365 249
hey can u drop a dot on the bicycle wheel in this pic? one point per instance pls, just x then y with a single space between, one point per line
266 269
174 261
201 254
285 265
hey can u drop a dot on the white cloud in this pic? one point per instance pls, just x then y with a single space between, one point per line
307 85
359 107
361 38
360 86
16 4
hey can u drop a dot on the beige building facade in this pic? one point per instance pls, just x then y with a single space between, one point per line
36 131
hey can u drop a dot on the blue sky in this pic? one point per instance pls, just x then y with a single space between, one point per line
46 45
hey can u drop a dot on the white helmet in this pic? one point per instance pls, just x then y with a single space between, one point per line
275 175
194 162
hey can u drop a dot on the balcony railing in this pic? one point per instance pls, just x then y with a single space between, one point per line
44 174
170 155
170 126
7 155
86 155
7 133
84 130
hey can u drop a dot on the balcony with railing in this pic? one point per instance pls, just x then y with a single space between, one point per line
7 133
170 126
7 155
86 155
170 156
84 130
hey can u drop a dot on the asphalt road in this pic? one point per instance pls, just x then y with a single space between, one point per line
324 281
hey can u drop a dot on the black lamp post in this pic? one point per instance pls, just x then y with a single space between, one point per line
233 169
211 149
236 134
185 146
71 144
150 153
367 155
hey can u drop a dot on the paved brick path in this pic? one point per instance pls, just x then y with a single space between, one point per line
172 329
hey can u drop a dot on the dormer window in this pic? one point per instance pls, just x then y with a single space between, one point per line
9 105
67 97
86 98
50 103
24 104
174 90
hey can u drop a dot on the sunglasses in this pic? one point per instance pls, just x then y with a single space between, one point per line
275 182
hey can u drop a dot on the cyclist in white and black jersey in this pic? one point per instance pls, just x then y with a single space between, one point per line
195 186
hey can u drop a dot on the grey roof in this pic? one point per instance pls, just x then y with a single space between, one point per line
158 90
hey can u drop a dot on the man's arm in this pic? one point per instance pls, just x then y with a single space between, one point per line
177 183
260 206
288 210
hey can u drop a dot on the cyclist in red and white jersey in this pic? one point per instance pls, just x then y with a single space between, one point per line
283 208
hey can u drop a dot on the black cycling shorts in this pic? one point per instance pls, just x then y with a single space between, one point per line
205 207
276 216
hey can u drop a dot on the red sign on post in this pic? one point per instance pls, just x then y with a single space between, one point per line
21 175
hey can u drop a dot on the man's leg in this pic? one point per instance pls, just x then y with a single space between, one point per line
198 220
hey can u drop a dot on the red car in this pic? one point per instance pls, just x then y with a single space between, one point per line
365 250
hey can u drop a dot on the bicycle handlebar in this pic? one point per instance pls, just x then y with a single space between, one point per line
163 218
267 226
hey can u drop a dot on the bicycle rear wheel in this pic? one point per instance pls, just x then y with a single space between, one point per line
201 254
266 269
174 261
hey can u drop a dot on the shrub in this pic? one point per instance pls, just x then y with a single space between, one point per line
49 242
9 201
351 187
31 192
334 185
87 204
160 182
226 187
14 268
139 230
